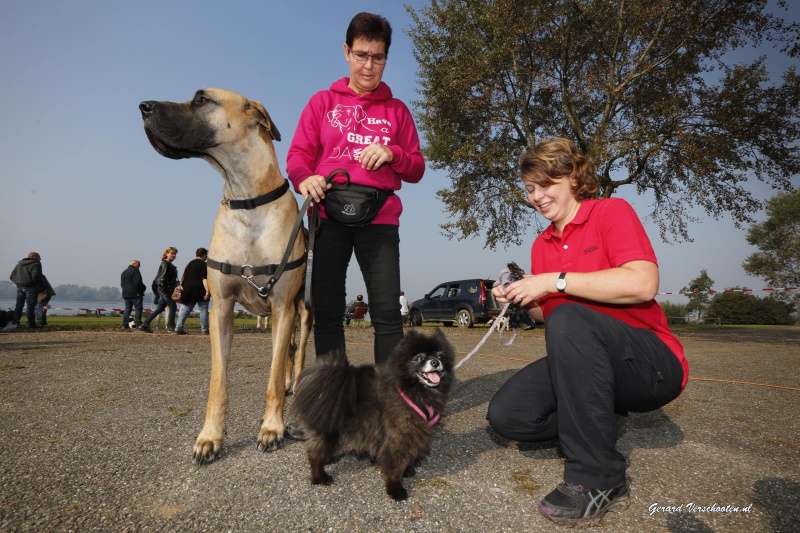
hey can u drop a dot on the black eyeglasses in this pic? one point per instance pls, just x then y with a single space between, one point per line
362 57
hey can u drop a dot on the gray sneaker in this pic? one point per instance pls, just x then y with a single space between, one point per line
11 326
576 506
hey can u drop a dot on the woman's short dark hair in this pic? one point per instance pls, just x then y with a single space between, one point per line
556 158
370 27
201 252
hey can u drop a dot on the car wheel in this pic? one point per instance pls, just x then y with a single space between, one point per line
416 318
464 318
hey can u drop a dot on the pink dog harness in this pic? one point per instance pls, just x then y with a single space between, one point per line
431 416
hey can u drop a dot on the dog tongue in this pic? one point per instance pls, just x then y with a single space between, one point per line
433 377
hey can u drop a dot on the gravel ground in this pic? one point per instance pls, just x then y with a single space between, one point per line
97 430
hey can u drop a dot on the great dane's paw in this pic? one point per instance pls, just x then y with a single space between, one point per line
269 441
206 451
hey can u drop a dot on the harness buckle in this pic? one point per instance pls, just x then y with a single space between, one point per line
244 272
265 290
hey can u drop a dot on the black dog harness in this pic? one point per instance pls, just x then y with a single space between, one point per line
252 203
274 271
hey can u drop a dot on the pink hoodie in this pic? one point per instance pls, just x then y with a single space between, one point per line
334 127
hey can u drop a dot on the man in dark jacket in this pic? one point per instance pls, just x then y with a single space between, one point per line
133 293
27 276
351 311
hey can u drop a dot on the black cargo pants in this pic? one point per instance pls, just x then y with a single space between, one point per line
596 367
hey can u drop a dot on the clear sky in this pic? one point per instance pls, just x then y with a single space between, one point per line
82 186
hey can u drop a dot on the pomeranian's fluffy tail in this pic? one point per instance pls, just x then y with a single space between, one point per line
326 394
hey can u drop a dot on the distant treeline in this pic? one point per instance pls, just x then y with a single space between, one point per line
69 293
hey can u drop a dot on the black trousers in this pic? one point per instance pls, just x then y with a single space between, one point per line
377 250
596 367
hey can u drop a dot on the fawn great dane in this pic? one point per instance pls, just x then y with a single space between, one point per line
250 246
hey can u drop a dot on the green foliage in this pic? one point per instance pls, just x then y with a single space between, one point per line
675 313
647 89
698 302
778 241
741 308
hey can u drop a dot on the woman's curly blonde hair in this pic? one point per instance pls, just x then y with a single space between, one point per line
168 250
557 158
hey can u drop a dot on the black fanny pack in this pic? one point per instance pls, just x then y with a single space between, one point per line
354 205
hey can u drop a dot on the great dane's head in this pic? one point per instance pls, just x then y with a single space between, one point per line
213 117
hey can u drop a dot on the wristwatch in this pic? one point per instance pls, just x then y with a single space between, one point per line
561 282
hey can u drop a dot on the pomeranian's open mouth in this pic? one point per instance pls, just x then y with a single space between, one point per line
431 379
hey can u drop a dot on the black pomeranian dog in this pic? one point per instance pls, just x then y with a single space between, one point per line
386 413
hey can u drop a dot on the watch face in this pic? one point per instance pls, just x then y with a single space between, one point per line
561 283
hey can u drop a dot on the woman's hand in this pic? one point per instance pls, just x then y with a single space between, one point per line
315 186
521 292
631 283
524 292
375 155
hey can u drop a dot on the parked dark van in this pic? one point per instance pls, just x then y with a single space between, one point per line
465 302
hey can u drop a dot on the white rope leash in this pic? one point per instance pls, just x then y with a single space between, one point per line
498 324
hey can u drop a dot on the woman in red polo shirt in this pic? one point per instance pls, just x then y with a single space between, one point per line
593 279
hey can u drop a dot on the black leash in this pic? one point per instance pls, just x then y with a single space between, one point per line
313 220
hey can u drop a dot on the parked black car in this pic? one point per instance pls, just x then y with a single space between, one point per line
465 302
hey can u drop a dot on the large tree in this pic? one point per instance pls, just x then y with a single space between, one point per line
648 89
778 241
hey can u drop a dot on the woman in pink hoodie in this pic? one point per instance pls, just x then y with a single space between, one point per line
357 125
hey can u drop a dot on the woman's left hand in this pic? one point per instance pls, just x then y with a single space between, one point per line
374 155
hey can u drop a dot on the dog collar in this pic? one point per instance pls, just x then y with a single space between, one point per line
431 416
252 203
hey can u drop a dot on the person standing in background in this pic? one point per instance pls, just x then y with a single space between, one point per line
195 291
27 276
166 281
404 307
133 289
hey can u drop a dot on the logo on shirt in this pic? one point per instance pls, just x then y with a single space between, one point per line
590 250
358 129
347 117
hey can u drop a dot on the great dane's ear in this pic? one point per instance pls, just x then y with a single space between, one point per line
264 119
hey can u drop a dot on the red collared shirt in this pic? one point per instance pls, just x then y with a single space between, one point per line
604 234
